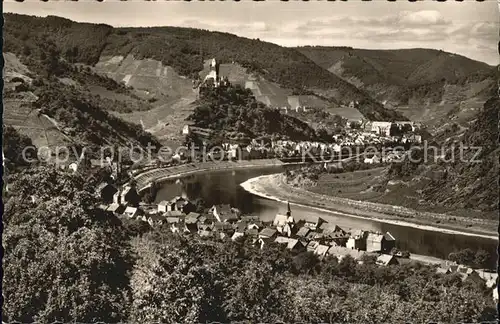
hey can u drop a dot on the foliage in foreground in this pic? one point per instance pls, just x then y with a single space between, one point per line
67 261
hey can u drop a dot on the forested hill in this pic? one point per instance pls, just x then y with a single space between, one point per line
184 49
67 261
235 110
405 74
468 179
404 66
48 101
470 184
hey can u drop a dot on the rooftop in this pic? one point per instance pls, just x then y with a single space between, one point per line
268 232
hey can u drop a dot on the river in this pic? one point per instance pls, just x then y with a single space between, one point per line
223 187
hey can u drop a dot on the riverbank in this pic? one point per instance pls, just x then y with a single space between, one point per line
274 187
145 179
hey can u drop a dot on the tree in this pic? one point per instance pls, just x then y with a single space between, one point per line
306 262
172 284
14 143
258 296
481 259
64 259
465 256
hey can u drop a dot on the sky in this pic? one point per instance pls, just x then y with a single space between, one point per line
469 28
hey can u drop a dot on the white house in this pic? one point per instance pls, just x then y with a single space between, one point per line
381 128
372 160
163 206
131 212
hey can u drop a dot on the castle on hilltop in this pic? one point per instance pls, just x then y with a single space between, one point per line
213 78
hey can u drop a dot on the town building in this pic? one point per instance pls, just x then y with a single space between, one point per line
381 128
312 245
386 259
321 250
376 242
268 233
284 223
314 222
132 212
177 203
224 213
303 231
116 209
375 159
291 244
357 240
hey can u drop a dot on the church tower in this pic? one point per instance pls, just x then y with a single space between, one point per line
214 69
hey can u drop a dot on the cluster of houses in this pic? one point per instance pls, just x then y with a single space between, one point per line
361 137
179 215
314 235
222 221
256 149
385 128
489 279
384 157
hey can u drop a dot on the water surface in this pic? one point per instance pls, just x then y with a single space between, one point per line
223 187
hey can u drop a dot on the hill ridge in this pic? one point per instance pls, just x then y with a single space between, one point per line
184 49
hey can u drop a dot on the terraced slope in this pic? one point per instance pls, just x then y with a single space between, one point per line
118 50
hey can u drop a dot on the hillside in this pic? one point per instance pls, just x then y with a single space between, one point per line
60 109
171 52
461 183
235 110
409 66
423 84
472 184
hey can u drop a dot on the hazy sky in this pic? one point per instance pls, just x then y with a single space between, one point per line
469 28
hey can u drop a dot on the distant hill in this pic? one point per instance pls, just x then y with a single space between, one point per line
406 66
423 84
184 50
